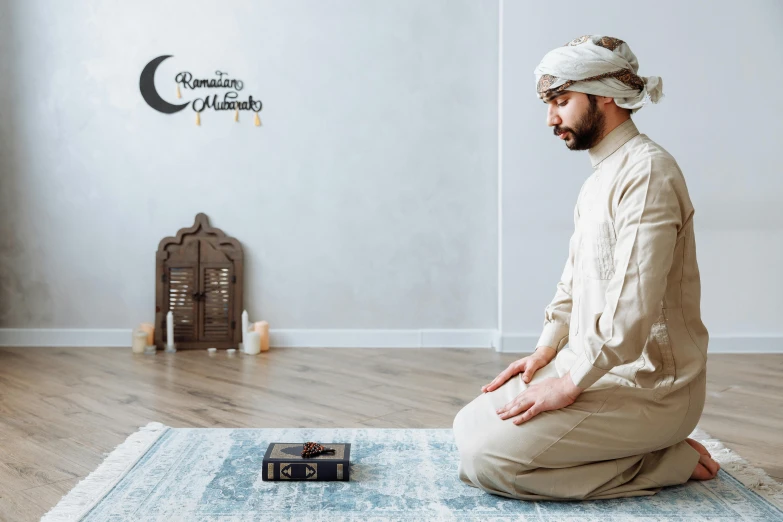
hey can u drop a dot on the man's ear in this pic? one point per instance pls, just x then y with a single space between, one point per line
603 100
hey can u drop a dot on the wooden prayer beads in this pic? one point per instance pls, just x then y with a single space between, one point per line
311 449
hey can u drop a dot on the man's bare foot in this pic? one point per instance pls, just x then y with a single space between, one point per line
706 468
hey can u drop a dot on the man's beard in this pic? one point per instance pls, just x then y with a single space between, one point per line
587 131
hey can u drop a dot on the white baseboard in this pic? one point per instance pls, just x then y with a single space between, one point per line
515 343
323 338
301 338
746 345
280 338
66 337
519 343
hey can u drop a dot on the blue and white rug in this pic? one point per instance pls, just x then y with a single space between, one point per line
173 474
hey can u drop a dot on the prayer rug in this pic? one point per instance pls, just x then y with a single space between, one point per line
172 474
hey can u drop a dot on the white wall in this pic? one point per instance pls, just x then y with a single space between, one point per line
720 118
367 200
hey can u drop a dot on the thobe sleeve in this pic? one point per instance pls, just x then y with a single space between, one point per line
557 315
647 221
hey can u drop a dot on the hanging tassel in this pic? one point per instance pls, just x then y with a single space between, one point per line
257 121
198 118
179 94
236 115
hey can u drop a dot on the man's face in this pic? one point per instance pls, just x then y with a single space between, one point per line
576 119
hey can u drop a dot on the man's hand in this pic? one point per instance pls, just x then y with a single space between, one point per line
530 365
548 395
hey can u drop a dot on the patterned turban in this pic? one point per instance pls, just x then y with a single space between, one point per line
598 65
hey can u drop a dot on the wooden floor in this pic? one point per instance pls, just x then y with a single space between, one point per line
62 410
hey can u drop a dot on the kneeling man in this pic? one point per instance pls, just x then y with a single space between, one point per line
623 351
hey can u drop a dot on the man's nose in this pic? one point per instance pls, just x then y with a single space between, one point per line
552 118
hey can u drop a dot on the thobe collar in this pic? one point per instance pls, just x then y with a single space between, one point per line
613 141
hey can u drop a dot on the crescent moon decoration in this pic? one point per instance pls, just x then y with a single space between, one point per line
148 92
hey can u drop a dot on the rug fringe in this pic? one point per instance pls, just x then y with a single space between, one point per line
752 477
88 492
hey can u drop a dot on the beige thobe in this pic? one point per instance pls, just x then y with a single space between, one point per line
626 324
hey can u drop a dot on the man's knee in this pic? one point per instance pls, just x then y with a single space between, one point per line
465 423
487 460
469 437
484 467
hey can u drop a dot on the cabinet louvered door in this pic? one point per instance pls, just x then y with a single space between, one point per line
182 294
215 314
198 277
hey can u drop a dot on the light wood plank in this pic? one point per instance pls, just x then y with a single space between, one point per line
63 409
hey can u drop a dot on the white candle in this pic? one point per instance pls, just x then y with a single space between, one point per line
170 329
253 344
139 341
245 326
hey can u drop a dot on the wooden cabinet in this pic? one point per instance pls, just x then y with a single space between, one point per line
199 277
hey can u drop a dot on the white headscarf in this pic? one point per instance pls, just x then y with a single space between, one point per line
599 65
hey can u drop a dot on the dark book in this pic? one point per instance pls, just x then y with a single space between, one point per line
284 461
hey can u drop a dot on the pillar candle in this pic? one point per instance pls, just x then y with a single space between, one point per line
253 343
170 329
150 329
262 328
245 325
139 341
